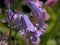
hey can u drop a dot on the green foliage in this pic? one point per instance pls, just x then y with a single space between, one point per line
16 5
50 30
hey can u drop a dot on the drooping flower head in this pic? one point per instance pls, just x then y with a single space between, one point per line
38 13
27 23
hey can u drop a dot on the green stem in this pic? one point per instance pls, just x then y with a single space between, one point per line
10 35
10 32
15 38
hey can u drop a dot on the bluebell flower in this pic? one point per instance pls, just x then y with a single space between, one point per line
21 32
9 14
17 25
38 13
15 19
27 24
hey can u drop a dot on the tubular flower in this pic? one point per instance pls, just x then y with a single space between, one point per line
17 25
15 19
27 23
9 14
38 13
29 27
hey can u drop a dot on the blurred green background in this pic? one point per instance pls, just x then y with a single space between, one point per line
52 34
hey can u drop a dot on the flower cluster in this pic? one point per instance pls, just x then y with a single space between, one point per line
19 19
16 20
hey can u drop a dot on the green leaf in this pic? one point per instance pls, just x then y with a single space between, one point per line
50 30
16 4
3 27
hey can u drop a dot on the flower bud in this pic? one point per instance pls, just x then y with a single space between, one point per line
9 15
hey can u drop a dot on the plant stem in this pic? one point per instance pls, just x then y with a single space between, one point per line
10 35
15 38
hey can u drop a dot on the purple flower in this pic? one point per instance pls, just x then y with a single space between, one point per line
9 14
17 21
35 36
38 13
27 24
21 32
